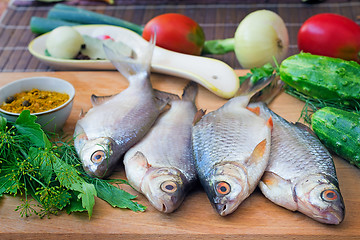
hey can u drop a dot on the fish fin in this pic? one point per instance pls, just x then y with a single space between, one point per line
165 95
139 161
97 100
255 110
164 98
248 88
270 179
198 115
82 114
270 123
278 190
190 91
258 153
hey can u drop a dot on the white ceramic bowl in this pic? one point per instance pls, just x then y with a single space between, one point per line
51 120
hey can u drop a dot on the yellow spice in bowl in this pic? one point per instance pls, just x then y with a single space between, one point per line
35 100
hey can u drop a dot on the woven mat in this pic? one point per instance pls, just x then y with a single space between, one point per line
219 19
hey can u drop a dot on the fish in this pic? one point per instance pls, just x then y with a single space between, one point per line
301 175
161 165
115 123
231 149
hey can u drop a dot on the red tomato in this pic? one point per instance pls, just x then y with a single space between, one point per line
330 35
176 32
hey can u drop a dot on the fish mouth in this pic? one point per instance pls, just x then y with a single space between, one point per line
334 217
221 209
162 206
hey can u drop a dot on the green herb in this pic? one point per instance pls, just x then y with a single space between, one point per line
49 174
313 104
272 90
258 73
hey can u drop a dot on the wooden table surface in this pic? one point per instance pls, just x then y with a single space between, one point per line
256 218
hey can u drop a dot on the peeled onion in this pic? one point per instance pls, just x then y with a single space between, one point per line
64 42
260 36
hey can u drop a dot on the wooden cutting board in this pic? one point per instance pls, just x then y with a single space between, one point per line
256 218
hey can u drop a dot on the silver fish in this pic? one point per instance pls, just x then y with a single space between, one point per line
116 123
161 165
301 174
231 148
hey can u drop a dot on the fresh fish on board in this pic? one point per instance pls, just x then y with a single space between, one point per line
161 165
116 123
301 174
231 149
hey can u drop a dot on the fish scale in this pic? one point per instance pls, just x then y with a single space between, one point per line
301 175
115 123
308 146
161 165
231 150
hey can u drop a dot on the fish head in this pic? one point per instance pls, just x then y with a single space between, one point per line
99 156
226 187
164 188
319 197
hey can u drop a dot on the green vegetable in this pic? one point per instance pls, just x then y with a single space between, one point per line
40 25
339 131
322 77
219 46
79 15
49 173
269 92
257 73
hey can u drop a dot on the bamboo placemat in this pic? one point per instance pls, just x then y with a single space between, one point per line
219 19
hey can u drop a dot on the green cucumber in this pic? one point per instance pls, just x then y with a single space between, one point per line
39 25
322 77
339 131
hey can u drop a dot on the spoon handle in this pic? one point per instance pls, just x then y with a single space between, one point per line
213 74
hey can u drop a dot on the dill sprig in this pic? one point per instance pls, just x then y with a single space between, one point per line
313 104
48 174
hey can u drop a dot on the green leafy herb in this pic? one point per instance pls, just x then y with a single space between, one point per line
49 174
313 104
258 73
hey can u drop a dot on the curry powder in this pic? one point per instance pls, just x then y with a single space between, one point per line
35 101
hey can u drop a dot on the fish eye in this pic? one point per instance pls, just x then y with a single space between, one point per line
168 186
223 188
329 195
98 156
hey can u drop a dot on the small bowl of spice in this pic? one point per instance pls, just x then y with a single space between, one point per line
48 98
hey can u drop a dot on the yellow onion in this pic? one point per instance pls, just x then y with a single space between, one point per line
260 36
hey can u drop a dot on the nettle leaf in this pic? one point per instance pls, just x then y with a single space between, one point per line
75 204
87 196
117 197
26 125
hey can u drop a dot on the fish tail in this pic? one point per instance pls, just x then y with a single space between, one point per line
190 92
138 64
248 88
270 92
